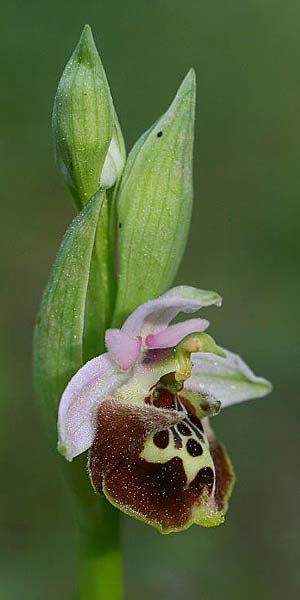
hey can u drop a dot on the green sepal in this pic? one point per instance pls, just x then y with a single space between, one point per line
154 204
83 120
59 332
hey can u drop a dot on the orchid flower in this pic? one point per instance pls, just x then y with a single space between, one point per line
142 408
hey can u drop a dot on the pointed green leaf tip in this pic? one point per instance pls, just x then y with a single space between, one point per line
84 122
154 203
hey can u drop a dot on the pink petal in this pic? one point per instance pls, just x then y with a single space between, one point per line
155 315
95 381
170 337
123 348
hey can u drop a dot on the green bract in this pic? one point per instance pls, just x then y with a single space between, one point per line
154 204
58 340
85 123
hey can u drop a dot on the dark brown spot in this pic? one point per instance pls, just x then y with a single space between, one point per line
194 448
160 133
183 429
206 475
161 439
164 399
120 225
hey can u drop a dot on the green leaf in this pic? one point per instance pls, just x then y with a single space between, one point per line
154 204
84 121
58 339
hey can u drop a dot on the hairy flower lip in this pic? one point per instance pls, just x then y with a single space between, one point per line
168 492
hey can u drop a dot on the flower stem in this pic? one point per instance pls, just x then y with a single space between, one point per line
100 557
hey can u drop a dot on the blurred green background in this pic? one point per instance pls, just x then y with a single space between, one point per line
244 243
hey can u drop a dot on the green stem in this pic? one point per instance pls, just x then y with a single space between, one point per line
100 557
100 568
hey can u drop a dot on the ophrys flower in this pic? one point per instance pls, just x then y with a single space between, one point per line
142 410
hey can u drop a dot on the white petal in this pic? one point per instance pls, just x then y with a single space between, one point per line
155 315
229 379
94 382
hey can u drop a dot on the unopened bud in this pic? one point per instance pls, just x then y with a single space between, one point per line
84 121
